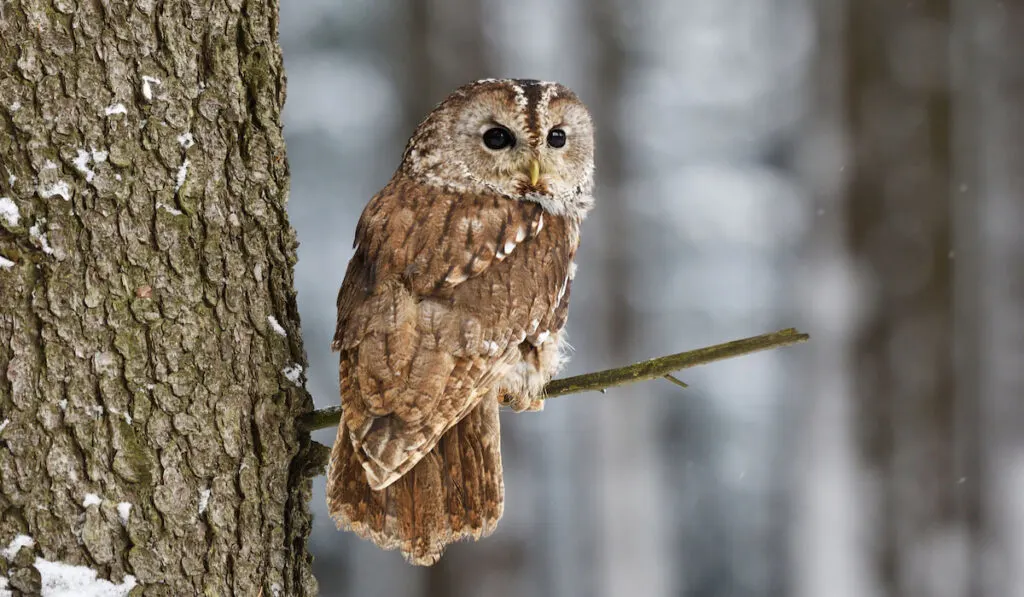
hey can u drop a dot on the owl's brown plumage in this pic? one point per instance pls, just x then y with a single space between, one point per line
454 302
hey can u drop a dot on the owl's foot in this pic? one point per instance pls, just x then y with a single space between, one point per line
522 403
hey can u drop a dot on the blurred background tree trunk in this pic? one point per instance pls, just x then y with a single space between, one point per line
827 539
911 428
151 367
628 481
989 243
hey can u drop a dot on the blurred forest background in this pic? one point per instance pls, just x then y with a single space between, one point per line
851 168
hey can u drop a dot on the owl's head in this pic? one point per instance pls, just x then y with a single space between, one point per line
524 139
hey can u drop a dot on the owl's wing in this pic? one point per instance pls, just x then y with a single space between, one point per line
439 294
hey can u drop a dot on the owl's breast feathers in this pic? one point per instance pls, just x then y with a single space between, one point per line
440 294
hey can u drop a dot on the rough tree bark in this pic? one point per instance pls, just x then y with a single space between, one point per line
149 347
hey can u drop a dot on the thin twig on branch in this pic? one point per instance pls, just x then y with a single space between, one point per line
610 378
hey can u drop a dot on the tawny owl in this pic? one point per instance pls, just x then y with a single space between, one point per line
453 304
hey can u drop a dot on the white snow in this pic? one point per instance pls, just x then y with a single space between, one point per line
113 109
49 165
124 511
275 590
204 500
4 424
10 180
15 106
182 173
293 373
5 263
66 580
127 417
9 211
91 499
4 591
37 234
16 544
171 210
185 139
58 188
82 163
84 157
274 325
63 404
147 89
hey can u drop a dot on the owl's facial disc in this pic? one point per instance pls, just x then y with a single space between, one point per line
526 140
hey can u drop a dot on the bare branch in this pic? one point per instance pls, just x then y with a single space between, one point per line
644 370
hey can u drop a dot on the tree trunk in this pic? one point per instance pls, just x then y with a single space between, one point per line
899 108
989 84
827 556
150 364
628 489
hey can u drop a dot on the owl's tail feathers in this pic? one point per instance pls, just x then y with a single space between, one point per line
454 492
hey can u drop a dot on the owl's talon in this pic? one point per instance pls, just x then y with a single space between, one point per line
521 403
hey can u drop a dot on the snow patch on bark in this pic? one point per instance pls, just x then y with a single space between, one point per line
182 173
124 511
274 325
204 500
65 580
58 188
293 373
147 87
171 210
39 236
9 211
16 544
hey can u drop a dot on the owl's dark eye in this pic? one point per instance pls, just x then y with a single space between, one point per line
556 138
499 137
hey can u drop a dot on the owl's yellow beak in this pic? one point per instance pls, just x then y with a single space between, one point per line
534 172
